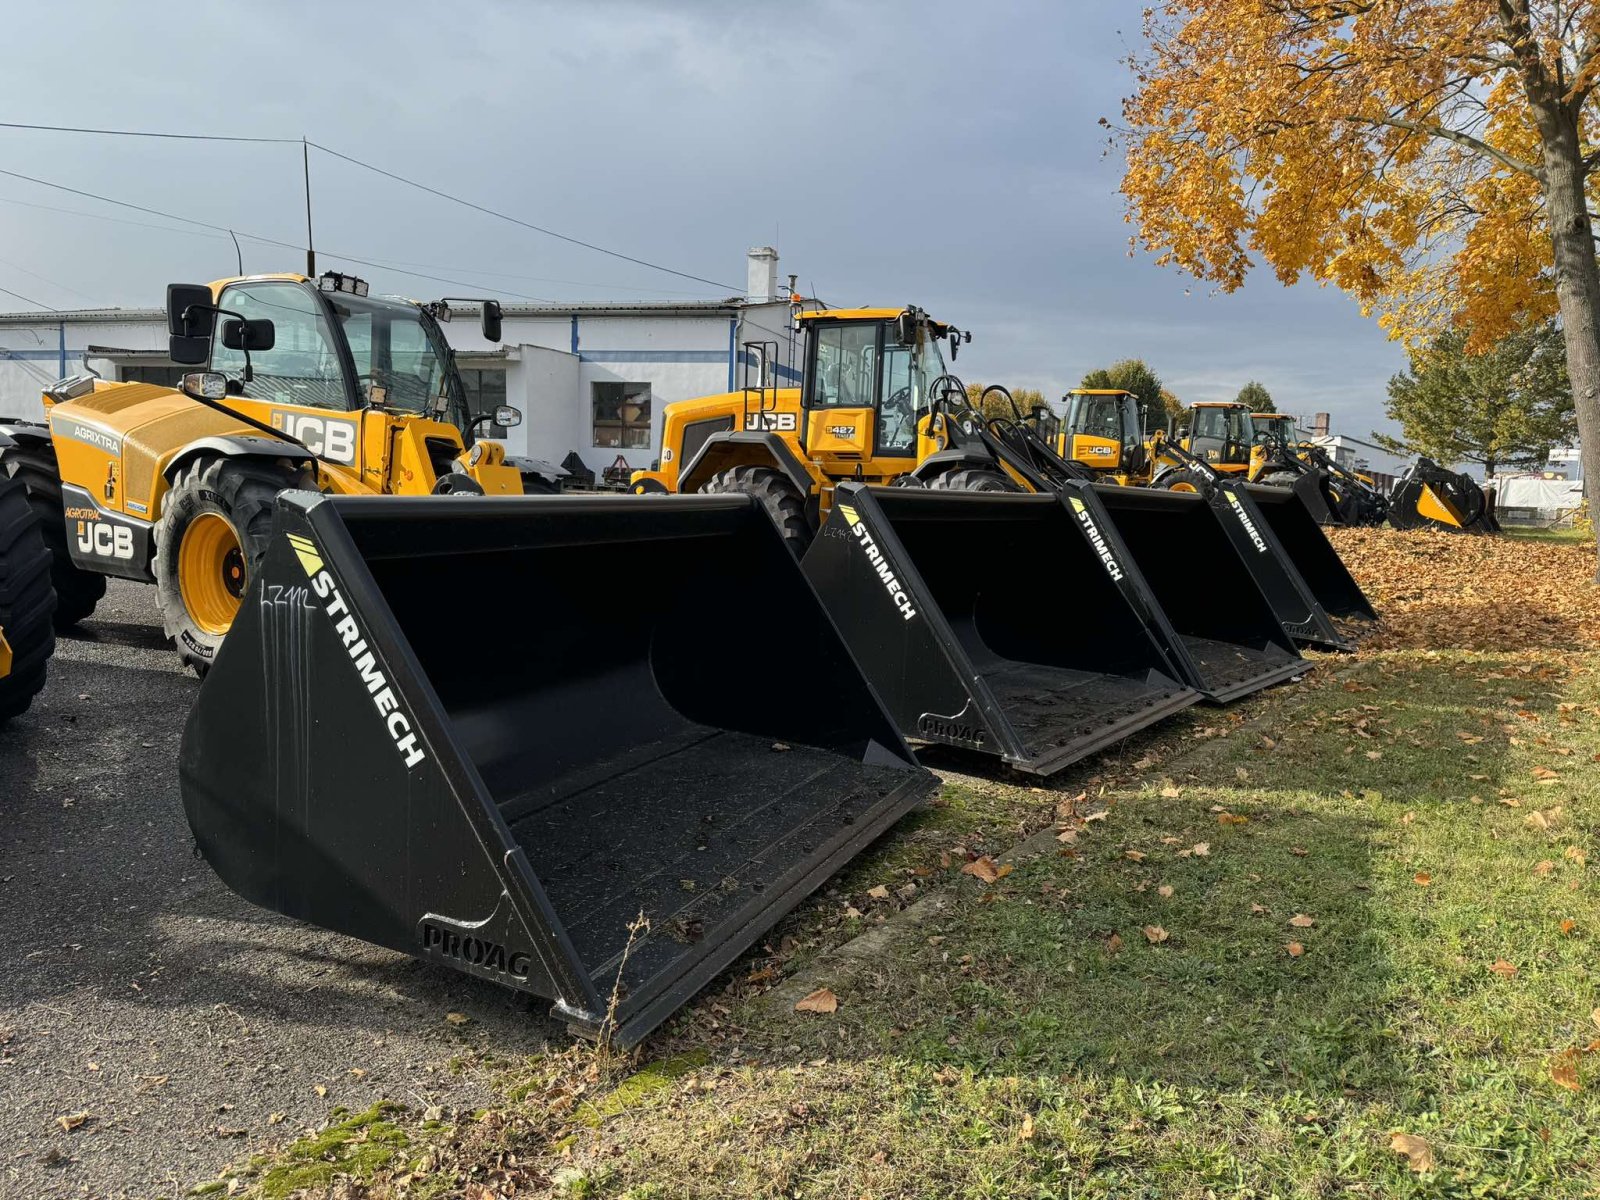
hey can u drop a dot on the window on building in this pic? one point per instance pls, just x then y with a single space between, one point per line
486 391
622 416
148 373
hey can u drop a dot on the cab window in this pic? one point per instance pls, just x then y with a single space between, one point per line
303 366
846 374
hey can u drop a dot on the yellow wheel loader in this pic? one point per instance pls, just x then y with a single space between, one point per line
304 384
861 414
27 601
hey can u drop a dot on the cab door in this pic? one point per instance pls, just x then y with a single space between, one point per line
302 385
841 401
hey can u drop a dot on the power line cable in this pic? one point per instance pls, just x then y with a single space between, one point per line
207 137
141 133
42 279
432 191
28 300
255 237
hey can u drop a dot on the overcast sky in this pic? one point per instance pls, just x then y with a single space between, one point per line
944 154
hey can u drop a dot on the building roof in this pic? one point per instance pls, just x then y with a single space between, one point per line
83 316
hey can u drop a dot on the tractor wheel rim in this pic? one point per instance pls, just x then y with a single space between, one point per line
211 573
1183 487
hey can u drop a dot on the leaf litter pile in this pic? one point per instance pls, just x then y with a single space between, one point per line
1448 591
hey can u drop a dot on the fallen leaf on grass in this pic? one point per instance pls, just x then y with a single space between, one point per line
72 1121
1538 820
1374 754
1564 1070
1258 909
1295 949
456 1018
1096 816
1154 934
1543 867
880 892
1026 1133
1202 849
1419 1154
987 869
1501 967
820 1001
1576 854
1232 819
1595 1017
1133 855
321 1089
1165 891
1422 879
1170 793
1568 925
1114 943
1301 921
1299 851
1545 773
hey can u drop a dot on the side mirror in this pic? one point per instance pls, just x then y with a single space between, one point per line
204 385
905 328
491 332
955 345
190 318
240 334
507 416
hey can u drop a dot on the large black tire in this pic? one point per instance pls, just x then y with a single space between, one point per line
241 491
1185 480
27 600
973 479
77 591
778 496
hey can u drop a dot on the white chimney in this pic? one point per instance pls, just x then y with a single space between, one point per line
762 286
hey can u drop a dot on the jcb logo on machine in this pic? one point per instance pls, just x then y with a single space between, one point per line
1095 539
104 540
394 718
1098 451
769 422
880 563
326 437
1244 519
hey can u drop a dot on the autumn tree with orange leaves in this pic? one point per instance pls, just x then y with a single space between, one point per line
1434 158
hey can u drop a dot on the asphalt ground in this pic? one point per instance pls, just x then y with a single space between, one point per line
192 1028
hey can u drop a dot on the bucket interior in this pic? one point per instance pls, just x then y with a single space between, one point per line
654 698
1034 610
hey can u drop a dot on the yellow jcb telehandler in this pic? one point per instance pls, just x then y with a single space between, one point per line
304 383
26 601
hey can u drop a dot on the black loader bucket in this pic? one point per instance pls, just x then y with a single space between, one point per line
1427 496
492 732
1313 555
988 621
1222 631
1273 568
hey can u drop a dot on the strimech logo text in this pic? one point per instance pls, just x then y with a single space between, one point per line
1096 539
880 564
1244 519
395 719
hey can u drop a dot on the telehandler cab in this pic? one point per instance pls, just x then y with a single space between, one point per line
26 601
306 384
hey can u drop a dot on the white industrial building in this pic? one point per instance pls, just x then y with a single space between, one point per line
590 378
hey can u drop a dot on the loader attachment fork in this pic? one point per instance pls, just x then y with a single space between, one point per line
506 796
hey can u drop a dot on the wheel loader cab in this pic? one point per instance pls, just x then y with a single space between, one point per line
1220 434
865 389
1100 429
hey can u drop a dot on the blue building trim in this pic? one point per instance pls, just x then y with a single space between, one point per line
61 329
654 356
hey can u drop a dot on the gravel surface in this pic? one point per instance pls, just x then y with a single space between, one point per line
192 1028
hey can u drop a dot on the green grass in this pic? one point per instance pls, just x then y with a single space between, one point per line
1211 1063
1570 534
